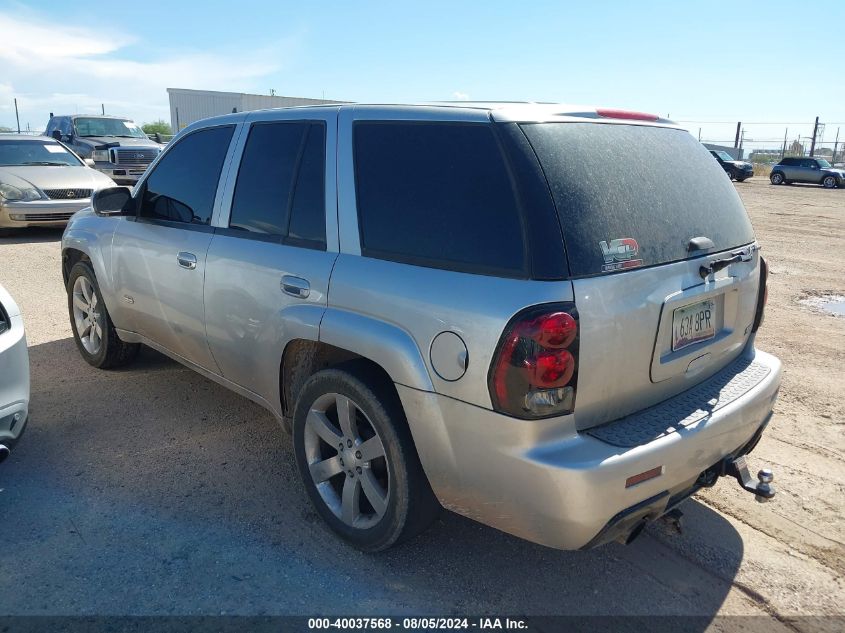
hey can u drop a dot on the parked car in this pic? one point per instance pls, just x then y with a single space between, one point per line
449 307
14 375
119 148
738 170
812 170
42 183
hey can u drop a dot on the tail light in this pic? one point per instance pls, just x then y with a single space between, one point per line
535 367
762 294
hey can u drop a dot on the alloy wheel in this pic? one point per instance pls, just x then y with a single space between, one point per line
347 461
87 315
829 182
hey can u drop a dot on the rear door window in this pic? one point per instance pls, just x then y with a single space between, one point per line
633 195
439 195
280 191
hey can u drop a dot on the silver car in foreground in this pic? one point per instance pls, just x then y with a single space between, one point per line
14 375
539 317
42 183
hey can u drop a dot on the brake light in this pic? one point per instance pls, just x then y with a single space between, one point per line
626 114
534 370
762 294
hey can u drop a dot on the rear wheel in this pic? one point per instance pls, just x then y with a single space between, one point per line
357 460
829 182
741 179
776 178
93 330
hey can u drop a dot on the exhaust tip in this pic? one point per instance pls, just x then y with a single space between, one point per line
633 534
4 452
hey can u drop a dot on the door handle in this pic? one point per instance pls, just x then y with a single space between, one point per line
295 286
186 260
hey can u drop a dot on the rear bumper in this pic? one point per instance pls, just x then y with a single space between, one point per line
548 483
14 383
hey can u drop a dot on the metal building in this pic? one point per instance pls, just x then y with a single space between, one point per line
187 106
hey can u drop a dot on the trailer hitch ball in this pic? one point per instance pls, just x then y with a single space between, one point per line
764 490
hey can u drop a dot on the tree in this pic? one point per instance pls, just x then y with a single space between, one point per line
160 127
5 129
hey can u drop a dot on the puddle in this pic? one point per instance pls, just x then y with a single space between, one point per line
832 304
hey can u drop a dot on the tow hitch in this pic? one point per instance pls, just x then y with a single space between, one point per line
762 490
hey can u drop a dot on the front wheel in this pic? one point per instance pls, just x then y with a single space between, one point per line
93 330
829 182
357 459
776 178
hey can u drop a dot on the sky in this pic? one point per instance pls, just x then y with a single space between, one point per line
704 64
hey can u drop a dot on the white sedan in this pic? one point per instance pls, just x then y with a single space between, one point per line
14 374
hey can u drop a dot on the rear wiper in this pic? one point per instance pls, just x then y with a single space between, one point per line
719 264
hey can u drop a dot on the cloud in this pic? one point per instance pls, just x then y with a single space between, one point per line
460 96
79 68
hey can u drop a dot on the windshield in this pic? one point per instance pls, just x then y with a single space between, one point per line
97 126
724 155
635 195
823 163
35 153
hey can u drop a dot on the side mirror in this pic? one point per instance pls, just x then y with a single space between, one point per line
89 162
112 201
56 134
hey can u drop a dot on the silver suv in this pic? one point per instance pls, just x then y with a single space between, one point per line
538 317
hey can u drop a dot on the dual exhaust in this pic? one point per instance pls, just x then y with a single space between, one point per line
736 467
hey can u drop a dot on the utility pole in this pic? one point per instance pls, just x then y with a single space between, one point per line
738 129
17 117
835 145
741 140
783 151
103 107
699 135
813 142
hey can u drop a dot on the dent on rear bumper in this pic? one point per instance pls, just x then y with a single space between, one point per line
546 482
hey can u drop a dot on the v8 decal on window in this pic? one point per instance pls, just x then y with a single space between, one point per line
620 254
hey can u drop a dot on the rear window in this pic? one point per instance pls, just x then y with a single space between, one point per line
437 195
630 196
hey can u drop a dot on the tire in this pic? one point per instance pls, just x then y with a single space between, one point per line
730 175
371 503
743 179
777 178
98 342
829 182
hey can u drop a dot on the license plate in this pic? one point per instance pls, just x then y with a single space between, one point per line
693 323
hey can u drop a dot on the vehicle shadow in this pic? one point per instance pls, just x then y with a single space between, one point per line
33 235
151 490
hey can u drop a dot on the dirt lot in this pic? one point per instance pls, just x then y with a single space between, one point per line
155 491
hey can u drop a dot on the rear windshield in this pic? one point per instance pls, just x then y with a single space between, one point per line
631 196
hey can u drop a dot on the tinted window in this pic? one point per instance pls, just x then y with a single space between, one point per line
631 195
308 214
183 185
264 188
280 189
437 194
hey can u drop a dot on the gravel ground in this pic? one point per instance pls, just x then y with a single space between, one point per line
155 491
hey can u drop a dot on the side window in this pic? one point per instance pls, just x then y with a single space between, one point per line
308 214
64 126
437 194
184 183
280 190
